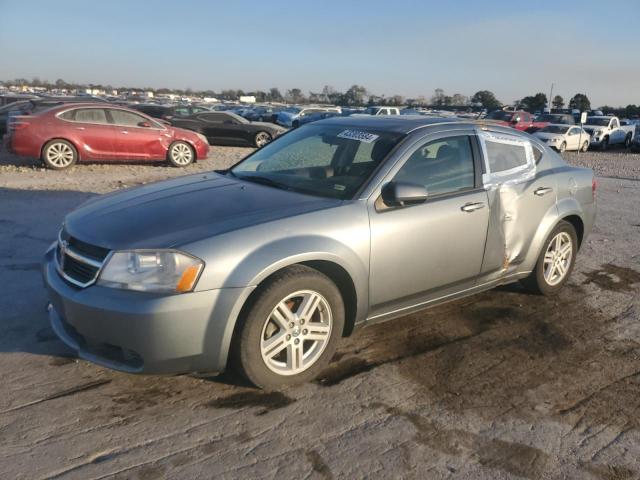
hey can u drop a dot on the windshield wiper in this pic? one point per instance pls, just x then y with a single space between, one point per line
262 180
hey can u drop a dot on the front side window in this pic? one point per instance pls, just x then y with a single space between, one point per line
128 119
91 115
325 160
442 166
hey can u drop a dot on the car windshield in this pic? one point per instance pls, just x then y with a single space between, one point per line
554 129
500 115
371 110
603 122
330 161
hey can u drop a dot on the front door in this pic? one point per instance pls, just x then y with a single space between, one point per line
421 252
135 141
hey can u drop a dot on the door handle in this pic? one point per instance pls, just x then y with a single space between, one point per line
472 207
124 131
543 191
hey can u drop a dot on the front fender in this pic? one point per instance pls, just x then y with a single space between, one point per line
270 258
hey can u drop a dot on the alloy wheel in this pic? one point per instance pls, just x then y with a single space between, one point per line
181 154
59 154
296 333
557 258
262 139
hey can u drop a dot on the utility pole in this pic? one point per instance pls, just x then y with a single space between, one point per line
550 98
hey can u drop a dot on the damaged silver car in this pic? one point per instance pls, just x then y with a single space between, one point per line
333 226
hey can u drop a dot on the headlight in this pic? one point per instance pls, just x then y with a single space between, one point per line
151 271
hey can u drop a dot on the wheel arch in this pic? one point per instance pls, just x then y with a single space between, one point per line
71 141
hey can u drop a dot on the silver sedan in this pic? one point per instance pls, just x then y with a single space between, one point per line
336 225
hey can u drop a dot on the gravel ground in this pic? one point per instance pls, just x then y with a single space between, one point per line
499 385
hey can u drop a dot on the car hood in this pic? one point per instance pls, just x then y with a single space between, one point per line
183 210
546 135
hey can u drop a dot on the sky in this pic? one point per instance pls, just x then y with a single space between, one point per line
511 47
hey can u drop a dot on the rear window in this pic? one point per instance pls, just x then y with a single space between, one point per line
91 115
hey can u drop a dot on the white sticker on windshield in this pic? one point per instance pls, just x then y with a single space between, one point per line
360 136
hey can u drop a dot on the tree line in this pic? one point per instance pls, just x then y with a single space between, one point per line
356 96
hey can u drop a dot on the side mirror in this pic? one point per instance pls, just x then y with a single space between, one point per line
144 124
402 194
515 120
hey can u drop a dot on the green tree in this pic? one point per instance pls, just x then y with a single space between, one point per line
295 95
275 95
558 102
487 99
580 102
534 103
355 95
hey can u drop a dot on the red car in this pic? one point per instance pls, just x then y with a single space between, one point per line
520 120
63 135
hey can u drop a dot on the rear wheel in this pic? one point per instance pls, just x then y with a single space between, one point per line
261 139
180 154
291 330
59 154
556 261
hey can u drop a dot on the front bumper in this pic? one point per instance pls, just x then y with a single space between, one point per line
138 332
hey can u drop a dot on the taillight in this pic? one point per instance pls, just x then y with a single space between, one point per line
18 125
594 186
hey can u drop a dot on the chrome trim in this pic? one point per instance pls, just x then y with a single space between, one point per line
63 247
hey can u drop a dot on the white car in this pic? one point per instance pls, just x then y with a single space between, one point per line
606 130
564 137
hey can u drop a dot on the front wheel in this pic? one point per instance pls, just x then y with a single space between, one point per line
627 140
585 146
556 261
261 139
180 154
290 332
59 154
604 146
563 147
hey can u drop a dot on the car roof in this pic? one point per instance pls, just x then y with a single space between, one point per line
393 123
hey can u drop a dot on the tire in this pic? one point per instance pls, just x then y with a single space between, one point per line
585 146
563 147
627 140
59 154
261 139
180 154
604 146
542 279
267 350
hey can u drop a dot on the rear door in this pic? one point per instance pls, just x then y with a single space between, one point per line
94 134
138 137
520 196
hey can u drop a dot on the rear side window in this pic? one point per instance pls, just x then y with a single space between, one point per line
91 115
68 115
504 156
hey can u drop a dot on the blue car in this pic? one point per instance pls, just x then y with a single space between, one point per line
292 116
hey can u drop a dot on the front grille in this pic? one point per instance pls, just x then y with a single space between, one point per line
78 262
78 270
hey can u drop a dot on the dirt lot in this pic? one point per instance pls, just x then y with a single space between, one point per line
500 385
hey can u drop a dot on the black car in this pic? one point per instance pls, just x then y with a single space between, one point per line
557 118
227 128
167 112
35 105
